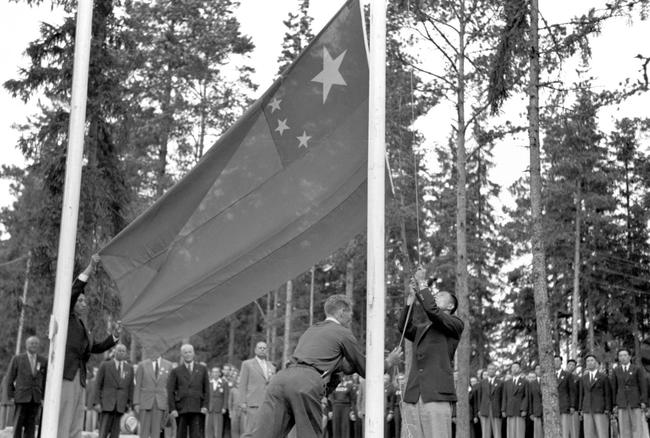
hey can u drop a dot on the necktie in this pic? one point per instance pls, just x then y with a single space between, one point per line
121 371
32 363
155 369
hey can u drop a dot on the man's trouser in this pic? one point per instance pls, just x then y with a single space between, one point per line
293 397
538 428
150 421
515 427
629 422
596 425
426 420
214 425
490 426
71 413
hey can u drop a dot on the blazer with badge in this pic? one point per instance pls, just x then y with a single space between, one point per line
515 397
629 389
23 385
489 397
252 384
535 398
431 376
567 391
114 391
148 387
218 396
595 395
188 393
80 344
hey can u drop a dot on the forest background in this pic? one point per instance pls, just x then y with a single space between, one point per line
167 77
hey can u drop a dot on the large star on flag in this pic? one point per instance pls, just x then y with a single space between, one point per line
330 74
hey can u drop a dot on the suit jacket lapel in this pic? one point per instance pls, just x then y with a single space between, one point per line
258 367
422 333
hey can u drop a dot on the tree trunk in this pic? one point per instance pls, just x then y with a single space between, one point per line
542 308
591 344
269 321
311 296
462 292
575 327
253 329
232 323
349 278
287 323
274 325
23 303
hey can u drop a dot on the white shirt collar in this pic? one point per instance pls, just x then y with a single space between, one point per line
331 318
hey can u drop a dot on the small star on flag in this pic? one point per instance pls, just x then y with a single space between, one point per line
282 126
303 139
330 74
275 104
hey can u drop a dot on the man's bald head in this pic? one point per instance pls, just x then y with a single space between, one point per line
446 301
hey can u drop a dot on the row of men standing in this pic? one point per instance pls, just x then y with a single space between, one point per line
585 400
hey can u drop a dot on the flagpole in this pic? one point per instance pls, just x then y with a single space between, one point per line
69 215
375 323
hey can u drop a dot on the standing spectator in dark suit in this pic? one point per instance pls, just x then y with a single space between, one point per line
571 365
474 425
25 385
630 395
594 400
400 385
567 395
489 397
389 407
113 392
218 404
6 406
341 400
535 402
430 390
293 397
188 392
79 346
515 403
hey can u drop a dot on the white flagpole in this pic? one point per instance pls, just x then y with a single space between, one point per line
69 215
376 283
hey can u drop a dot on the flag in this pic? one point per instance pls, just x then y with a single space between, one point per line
279 191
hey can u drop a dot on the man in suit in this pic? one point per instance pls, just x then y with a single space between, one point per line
535 401
341 400
79 346
514 403
254 376
430 389
567 395
594 400
234 406
218 404
630 395
489 395
188 394
150 395
113 392
25 385
293 397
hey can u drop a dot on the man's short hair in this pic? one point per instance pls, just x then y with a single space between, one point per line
454 300
623 349
591 355
516 363
557 356
572 360
335 303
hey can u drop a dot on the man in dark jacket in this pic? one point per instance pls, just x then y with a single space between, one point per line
594 400
515 403
25 385
113 392
430 389
489 395
567 396
79 346
630 395
535 401
188 390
